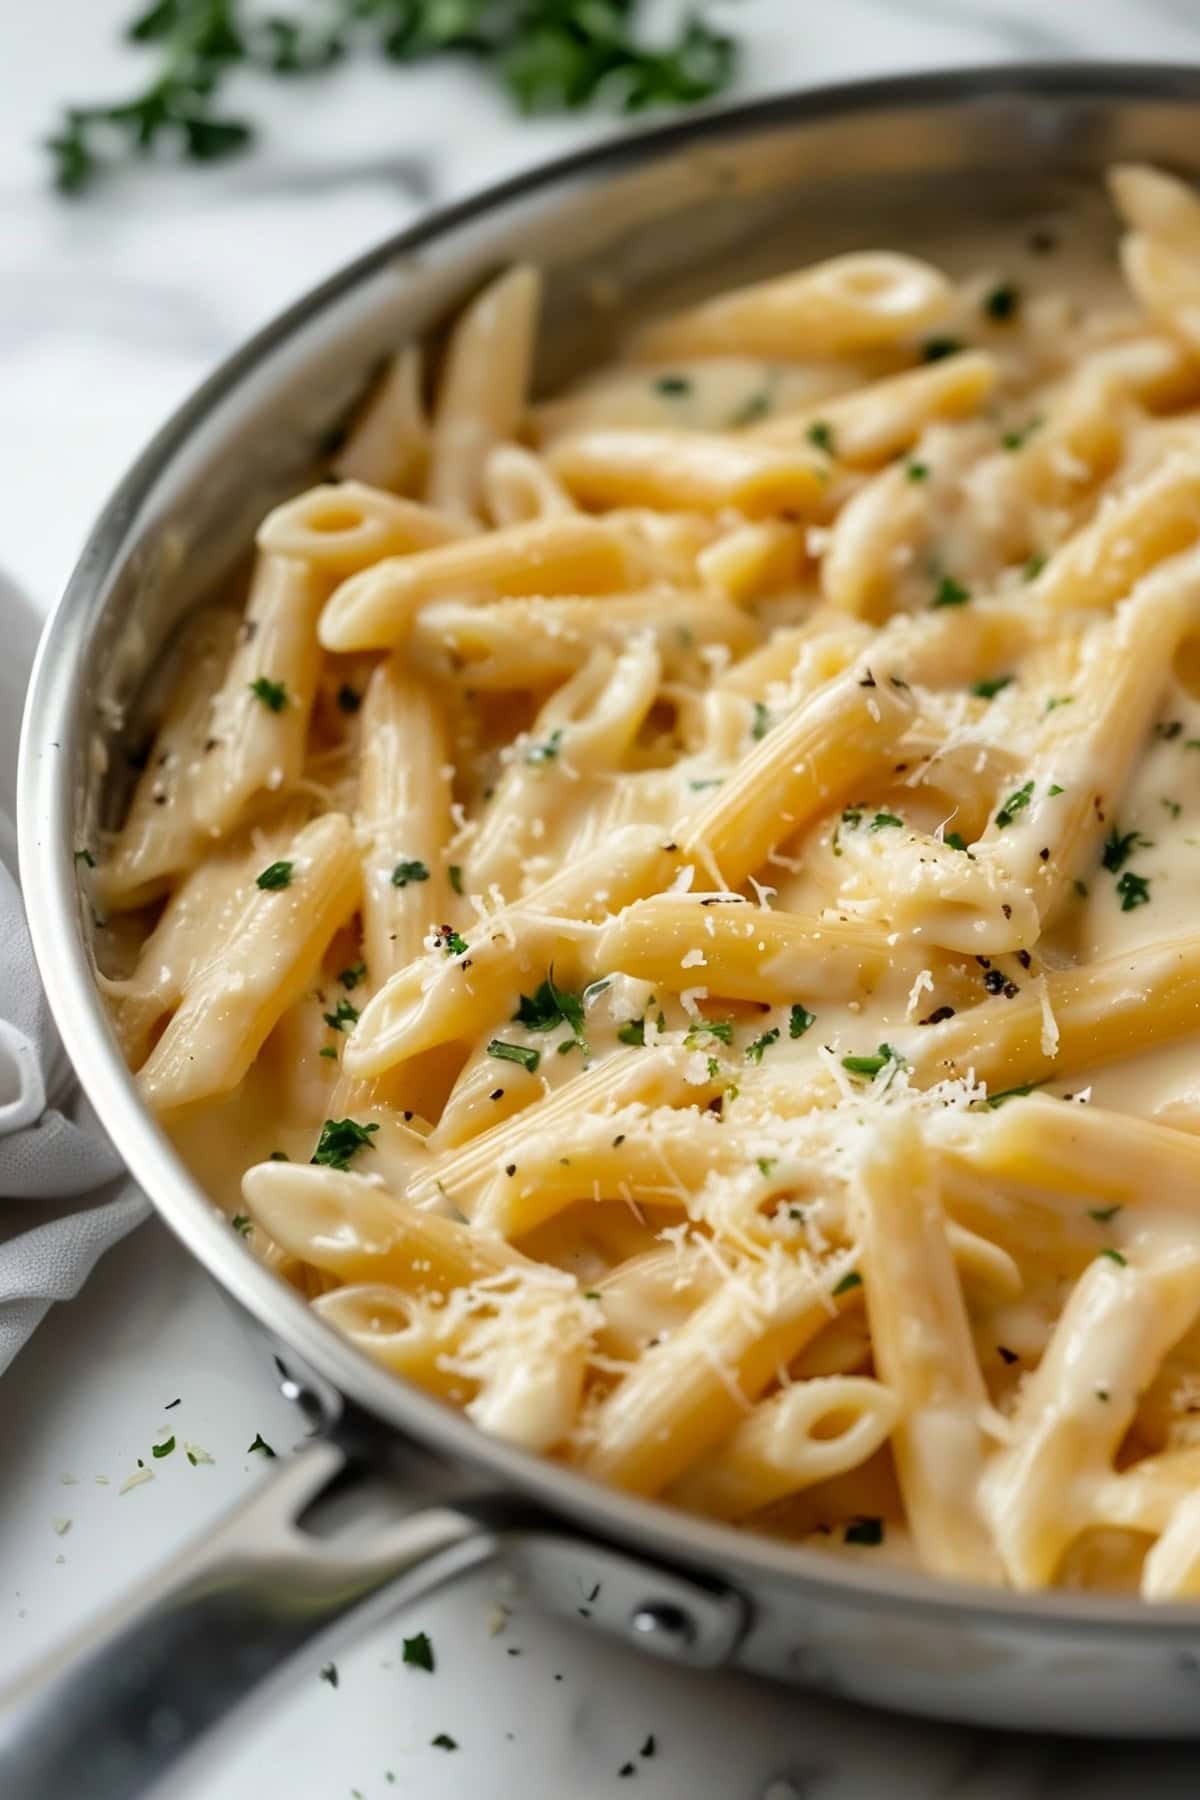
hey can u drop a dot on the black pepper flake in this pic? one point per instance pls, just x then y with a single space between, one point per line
496 1094
510 1168
868 680
1006 909
625 1770
1044 855
938 1014
1008 1356
1024 958
210 744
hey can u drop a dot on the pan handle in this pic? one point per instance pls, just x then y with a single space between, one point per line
108 1713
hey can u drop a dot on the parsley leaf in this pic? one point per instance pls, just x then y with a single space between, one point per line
754 1051
351 976
848 1283
341 1139
276 875
1016 803
987 690
871 1065
950 593
260 1443
418 1652
799 1020
273 694
344 1015
411 869
163 1449
525 1054
1134 890
1119 847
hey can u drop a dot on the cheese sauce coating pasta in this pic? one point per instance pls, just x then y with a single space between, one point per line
673 918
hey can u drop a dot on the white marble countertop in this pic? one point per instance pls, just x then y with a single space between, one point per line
110 311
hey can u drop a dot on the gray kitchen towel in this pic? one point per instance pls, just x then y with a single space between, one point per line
64 1195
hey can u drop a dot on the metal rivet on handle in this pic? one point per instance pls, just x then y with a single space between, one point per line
663 1627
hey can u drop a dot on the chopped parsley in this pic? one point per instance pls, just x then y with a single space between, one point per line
755 408
820 433
452 942
1119 847
86 858
524 1054
349 699
351 976
1016 803
848 1283
273 694
276 875
163 1449
956 840
799 1020
884 820
935 348
1002 302
754 1051
418 1653
917 471
648 1748
1168 729
1017 440
721 1029
995 684
455 874
546 750
443 1741
550 1006
328 1052
341 1139
864 1531
950 593
1172 806
1134 891
1103 1214
1012 1093
330 1674
344 1015
242 1224
1115 1256
412 869
260 1443
1032 567
762 722
632 1032
673 384
871 1065
765 1164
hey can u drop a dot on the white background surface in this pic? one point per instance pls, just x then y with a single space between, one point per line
110 311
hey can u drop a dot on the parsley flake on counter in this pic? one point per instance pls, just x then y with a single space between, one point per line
273 694
993 685
864 1531
443 1741
1134 890
525 1054
276 875
242 1224
260 1443
163 1449
343 1016
411 869
418 1652
799 1020
330 1674
341 1139
950 593
1016 803
649 1747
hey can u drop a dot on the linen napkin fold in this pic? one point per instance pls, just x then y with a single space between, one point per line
54 1157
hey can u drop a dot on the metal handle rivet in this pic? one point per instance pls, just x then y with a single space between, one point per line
664 1623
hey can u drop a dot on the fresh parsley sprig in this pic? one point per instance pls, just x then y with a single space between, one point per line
549 55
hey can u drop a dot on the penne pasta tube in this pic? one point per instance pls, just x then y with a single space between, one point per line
834 308
160 836
260 713
271 957
388 444
683 471
777 1451
482 391
375 610
346 526
923 1351
873 424
1134 529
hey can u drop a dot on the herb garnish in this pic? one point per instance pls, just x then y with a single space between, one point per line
276 875
546 750
1103 1214
1012 1093
1115 1256
341 1139
524 1054
820 433
344 1015
799 1020
632 1032
673 384
871 1065
987 690
935 348
762 721
955 839
443 1741
242 1224
163 1449
884 820
446 938
549 55
754 1051
550 1006
1002 302
1016 803
351 976
721 1029
950 593
410 869
260 1443
1134 890
917 471
456 879
86 858
1032 567
848 1283
1119 847
330 1674
418 1652
273 694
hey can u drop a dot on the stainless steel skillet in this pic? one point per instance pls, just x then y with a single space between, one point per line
904 162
